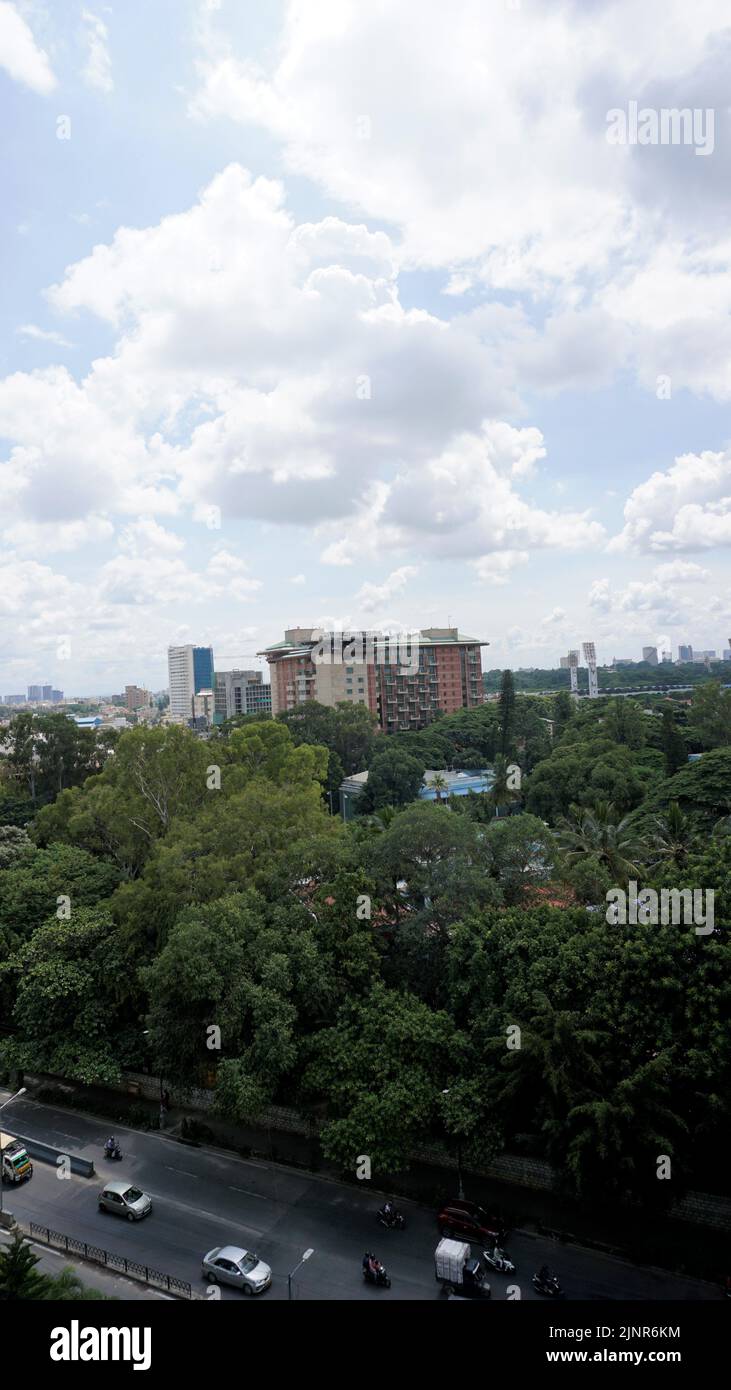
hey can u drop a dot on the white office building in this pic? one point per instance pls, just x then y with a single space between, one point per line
190 669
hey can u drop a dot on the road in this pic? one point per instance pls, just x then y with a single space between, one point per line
206 1197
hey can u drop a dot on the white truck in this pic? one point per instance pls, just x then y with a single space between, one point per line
15 1164
457 1272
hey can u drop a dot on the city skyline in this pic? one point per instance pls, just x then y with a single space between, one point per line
315 369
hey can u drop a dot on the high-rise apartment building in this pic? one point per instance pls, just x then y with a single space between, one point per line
241 692
443 673
190 669
649 654
685 653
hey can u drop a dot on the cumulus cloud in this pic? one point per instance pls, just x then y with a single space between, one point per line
373 597
20 55
688 507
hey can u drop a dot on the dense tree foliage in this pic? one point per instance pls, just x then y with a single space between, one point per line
193 905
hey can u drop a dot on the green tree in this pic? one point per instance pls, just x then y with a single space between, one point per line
601 834
18 1278
673 743
522 851
710 718
506 712
381 1070
394 779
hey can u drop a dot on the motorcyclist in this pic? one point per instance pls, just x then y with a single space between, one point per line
111 1145
544 1274
388 1211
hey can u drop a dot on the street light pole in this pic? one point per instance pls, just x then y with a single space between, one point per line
290 1277
5 1103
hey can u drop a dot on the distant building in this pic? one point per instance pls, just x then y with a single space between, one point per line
241 692
649 654
706 656
443 674
727 654
667 658
618 661
190 670
136 697
14 699
203 707
685 653
457 784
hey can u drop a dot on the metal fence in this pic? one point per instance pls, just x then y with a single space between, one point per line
117 1263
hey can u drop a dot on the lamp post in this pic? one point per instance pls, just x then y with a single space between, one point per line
290 1277
5 1103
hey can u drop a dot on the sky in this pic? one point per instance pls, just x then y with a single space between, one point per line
324 313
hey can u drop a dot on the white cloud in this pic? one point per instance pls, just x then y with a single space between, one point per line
684 570
688 507
43 335
97 71
20 56
373 597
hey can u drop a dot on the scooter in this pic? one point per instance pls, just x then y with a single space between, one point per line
393 1221
497 1259
375 1273
115 1153
550 1287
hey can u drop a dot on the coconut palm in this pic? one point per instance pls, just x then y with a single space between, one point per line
438 784
669 835
596 831
501 793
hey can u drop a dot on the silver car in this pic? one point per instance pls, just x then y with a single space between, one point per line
124 1199
229 1264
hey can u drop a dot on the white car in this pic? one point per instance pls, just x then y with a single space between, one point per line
124 1199
229 1264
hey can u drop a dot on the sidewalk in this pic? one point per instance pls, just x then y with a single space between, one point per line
91 1275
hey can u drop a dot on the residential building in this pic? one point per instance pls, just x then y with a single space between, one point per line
136 697
443 673
649 654
14 699
190 669
685 653
727 654
618 661
241 692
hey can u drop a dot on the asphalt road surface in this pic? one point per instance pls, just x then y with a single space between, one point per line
206 1197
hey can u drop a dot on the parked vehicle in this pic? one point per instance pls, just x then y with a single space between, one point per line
457 1272
391 1218
458 1218
123 1199
547 1284
16 1165
229 1264
498 1260
374 1272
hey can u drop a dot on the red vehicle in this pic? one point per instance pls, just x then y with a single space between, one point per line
466 1221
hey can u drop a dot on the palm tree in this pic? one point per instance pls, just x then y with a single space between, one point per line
18 1279
378 823
669 835
598 833
438 784
500 794
616 1137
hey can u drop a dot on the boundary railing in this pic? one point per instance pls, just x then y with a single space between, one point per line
119 1264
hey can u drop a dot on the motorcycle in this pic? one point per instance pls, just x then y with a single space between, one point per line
112 1152
497 1259
393 1220
549 1287
375 1273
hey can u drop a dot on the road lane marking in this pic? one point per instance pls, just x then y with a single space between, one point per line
187 1171
247 1193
